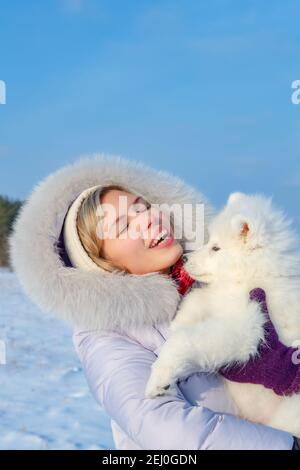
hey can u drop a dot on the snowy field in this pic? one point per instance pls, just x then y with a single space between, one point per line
45 402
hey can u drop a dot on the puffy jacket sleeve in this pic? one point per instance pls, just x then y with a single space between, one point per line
117 369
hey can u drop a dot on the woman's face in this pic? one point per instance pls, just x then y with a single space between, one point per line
129 226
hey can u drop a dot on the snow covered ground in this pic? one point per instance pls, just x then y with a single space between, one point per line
45 402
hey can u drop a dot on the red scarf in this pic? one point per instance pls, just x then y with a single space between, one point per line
181 277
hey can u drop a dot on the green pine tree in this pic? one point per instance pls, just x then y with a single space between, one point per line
8 211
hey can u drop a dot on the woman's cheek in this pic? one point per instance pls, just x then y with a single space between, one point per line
133 245
132 256
124 248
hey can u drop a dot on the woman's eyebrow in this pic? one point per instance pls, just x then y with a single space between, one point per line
123 215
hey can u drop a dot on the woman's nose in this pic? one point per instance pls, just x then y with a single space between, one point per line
148 220
155 217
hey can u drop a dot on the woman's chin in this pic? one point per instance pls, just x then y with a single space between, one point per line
173 255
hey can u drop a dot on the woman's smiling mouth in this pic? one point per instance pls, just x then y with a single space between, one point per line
162 240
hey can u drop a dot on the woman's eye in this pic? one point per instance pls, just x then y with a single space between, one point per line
138 207
142 206
215 248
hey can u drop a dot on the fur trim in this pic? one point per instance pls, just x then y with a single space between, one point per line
93 300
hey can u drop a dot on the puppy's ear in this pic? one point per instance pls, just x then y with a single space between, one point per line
233 197
241 227
251 233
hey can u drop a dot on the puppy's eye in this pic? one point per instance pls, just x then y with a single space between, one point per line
215 248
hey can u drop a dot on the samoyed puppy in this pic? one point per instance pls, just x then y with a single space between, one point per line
251 244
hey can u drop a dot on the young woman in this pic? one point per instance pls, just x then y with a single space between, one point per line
120 294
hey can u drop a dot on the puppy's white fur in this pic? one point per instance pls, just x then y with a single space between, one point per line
250 245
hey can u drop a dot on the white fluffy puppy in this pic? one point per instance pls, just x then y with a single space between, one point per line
250 245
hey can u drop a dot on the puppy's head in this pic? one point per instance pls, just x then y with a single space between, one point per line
242 237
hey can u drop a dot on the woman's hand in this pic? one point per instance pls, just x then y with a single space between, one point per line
263 368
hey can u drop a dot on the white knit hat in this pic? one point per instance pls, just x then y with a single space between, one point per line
73 246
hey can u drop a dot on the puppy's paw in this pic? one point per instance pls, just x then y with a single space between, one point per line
158 384
153 391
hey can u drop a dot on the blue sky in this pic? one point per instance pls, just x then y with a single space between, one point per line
201 89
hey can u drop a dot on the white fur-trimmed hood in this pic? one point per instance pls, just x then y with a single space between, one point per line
93 300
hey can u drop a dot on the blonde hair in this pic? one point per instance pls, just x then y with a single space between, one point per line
87 220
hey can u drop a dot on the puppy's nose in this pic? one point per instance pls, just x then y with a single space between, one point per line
184 259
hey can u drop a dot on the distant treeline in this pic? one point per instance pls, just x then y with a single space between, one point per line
8 212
